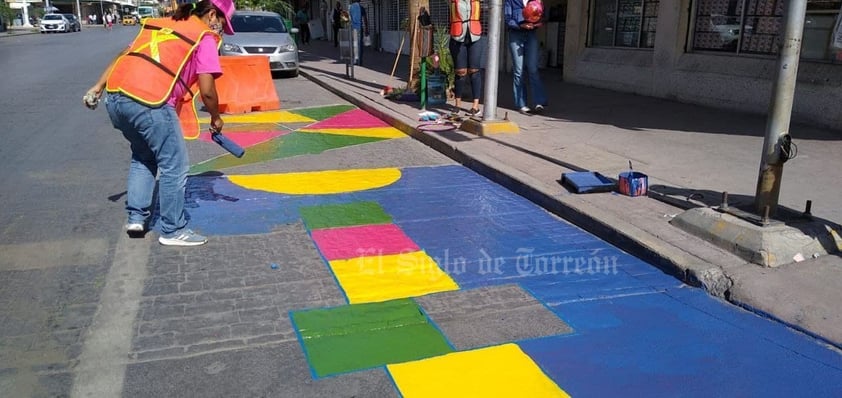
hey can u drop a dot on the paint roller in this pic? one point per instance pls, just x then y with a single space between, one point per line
226 143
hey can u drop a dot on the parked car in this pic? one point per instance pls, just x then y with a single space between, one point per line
75 24
55 23
263 33
129 20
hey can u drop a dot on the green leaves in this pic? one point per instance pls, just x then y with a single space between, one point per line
282 7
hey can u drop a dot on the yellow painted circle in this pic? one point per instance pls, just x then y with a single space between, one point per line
319 182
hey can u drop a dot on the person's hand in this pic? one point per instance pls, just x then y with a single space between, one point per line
91 98
217 123
527 26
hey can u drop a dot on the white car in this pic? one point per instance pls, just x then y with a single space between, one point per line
263 33
55 23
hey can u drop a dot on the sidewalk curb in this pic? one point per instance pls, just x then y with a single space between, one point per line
686 267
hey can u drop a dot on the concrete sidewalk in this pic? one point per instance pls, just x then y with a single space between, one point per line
685 149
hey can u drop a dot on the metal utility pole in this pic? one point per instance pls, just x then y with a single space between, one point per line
780 110
492 64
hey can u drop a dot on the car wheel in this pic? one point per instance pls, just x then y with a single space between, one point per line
294 73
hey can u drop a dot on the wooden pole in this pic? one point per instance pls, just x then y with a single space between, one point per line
415 46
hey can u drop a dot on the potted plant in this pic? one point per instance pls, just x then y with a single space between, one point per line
441 62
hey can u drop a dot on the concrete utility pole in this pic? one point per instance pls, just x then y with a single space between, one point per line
490 123
492 65
780 110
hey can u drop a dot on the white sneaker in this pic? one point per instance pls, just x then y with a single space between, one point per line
185 237
525 110
134 227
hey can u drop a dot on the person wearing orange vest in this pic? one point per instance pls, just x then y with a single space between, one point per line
142 87
466 49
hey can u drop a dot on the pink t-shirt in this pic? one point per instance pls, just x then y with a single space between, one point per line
204 60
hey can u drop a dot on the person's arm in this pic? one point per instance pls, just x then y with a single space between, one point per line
512 21
207 86
99 86
365 19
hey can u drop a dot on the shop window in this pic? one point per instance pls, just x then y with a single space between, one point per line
754 27
624 23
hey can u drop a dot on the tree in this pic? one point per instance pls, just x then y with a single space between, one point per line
6 13
282 7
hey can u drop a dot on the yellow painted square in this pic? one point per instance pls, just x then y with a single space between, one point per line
373 132
263 117
499 371
380 278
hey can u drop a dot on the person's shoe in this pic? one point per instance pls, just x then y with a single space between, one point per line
539 109
474 112
135 229
185 237
525 110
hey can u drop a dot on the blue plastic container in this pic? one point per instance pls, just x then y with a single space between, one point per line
436 89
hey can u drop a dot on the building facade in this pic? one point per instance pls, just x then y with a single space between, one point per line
720 53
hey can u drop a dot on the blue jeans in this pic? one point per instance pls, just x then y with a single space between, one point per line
157 145
523 46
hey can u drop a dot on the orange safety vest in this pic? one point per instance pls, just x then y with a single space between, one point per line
158 54
456 20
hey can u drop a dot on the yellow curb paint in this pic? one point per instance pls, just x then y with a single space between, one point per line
382 278
263 117
499 371
374 132
319 182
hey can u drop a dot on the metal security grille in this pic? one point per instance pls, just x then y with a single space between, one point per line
393 13
440 13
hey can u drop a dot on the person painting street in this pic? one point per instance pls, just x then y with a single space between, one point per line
359 25
466 49
523 46
142 88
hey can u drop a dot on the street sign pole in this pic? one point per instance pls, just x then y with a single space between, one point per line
780 110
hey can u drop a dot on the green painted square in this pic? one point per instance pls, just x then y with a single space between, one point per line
362 336
344 215
323 112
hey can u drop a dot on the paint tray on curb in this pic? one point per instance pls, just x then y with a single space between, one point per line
587 182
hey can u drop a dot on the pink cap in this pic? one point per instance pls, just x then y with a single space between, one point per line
227 8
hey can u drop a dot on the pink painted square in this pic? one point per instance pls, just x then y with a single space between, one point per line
362 241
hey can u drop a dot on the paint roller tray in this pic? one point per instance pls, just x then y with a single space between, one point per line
587 182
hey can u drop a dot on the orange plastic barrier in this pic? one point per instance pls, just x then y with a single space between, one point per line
246 85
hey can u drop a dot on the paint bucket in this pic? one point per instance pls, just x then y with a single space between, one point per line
633 183
436 94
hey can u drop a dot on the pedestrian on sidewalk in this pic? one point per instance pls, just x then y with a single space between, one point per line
523 46
142 93
359 25
466 50
109 20
302 20
337 23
